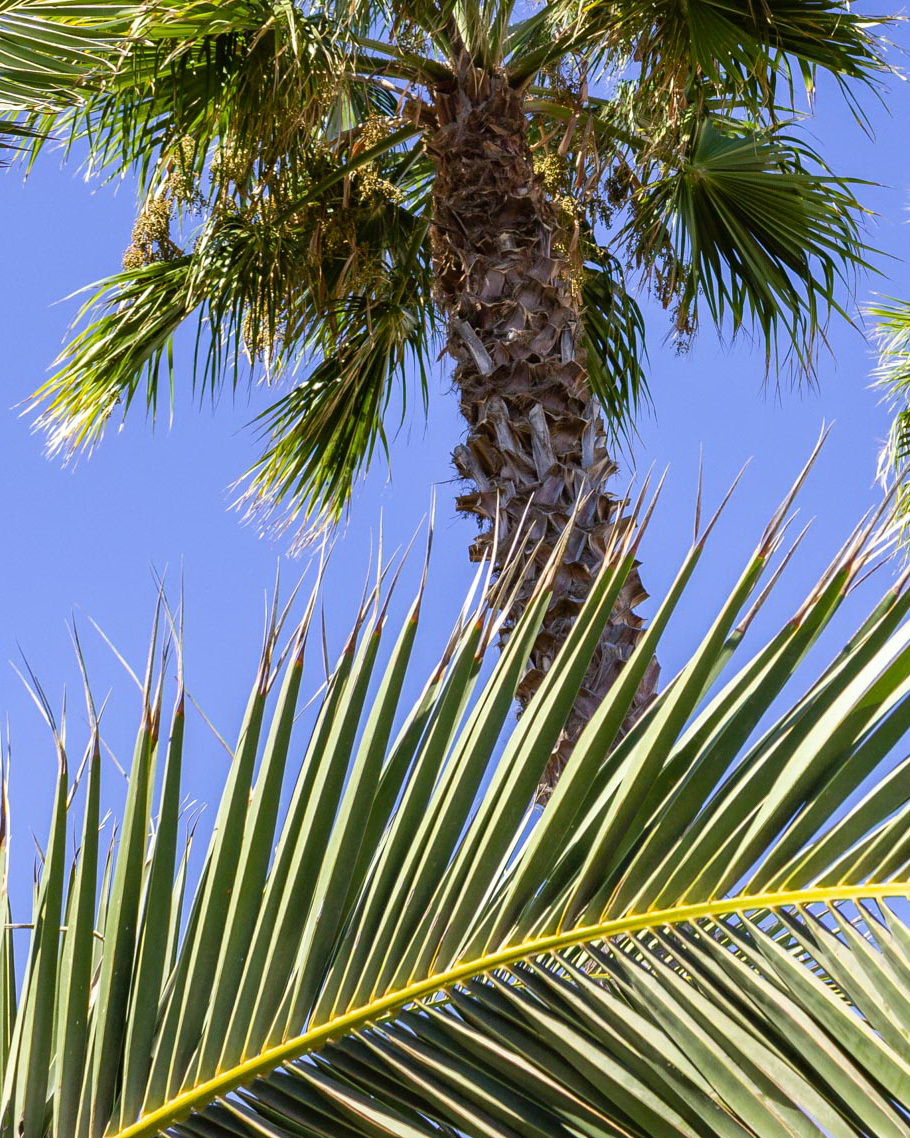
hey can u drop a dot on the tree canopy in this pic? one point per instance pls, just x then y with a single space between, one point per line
287 144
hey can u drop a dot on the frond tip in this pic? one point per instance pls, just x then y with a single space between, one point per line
390 947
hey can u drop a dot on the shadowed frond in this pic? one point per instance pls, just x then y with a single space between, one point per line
703 932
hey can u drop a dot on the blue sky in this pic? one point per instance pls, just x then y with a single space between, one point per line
87 541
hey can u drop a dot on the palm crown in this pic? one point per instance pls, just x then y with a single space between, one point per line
299 142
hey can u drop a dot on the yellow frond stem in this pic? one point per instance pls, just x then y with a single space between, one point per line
196 1098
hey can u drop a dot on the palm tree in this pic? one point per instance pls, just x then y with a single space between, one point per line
367 174
704 933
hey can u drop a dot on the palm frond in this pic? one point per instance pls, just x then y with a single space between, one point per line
614 345
236 91
743 50
13 134
892 376
704 931
328 274
247 81
322 434
748 47
49 47
751 224
105 364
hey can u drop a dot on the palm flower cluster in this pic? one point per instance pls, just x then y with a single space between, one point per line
150 240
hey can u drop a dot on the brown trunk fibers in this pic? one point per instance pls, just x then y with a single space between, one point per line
535 440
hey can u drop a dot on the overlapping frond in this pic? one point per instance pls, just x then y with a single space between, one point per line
704 931
13 138
328 275
892 376
49 47
741 49
249 80
322 434
784 1008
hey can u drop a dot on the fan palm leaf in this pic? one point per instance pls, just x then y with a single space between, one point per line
704 931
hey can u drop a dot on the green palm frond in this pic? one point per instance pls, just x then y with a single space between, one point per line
892 376
292 277
105 364
12 137
752 225
249 81
251 84
322 434
718 41
703 932
49 47
310 240
742 49
614 344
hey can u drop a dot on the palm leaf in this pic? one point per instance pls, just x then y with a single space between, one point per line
702 932
892 376
745 225
614 344
344 290
201 72
12 134
743 49
49 47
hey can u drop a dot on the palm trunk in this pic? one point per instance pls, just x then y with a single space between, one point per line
535 438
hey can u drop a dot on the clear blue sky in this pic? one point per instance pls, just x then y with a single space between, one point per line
86 541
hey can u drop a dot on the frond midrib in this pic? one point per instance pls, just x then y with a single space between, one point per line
196 1098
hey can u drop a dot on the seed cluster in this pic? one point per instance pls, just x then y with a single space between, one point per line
411 39
150 240
370 182
319 245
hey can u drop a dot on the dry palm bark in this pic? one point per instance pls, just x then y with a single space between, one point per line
536 440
